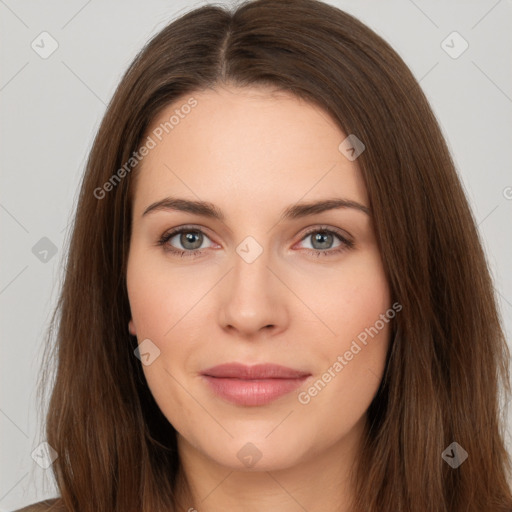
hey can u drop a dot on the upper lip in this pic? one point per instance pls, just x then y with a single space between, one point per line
257 371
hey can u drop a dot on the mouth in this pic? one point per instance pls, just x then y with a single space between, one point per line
253 385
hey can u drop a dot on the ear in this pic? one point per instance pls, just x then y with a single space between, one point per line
131 328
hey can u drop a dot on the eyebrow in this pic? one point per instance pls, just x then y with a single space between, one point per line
296 211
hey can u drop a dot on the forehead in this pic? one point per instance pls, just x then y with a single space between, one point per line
248 148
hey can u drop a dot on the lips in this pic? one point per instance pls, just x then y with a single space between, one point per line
252 385
258 371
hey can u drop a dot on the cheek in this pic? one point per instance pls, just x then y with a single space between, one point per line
347 300
162 308
156 307
152 311
357 307
367 316
156 295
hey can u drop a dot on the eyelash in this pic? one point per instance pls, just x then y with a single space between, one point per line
345 243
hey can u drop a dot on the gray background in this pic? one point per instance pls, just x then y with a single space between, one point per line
51 109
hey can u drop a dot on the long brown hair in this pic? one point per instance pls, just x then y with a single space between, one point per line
448 358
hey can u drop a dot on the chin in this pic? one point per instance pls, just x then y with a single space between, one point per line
254 451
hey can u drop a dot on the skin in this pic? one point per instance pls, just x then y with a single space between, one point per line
253 153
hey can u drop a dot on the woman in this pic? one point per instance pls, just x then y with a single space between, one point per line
207 358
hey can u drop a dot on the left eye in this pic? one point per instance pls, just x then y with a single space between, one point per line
322 239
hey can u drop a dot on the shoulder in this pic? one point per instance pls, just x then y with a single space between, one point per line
51 505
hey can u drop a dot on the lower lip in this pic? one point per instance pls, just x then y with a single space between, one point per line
252 392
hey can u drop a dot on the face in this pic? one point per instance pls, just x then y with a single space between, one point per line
256 279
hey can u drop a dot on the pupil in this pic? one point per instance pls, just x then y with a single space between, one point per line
189 238
322 238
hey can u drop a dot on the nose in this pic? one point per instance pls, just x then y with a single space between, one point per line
253 299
